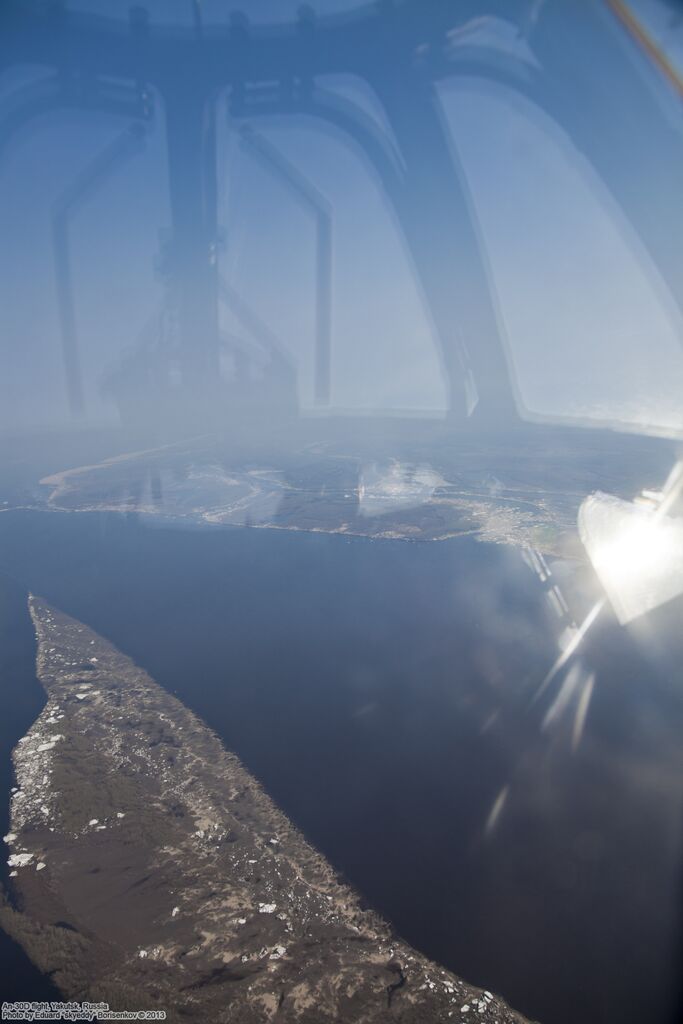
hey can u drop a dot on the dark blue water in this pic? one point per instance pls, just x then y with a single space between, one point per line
381 692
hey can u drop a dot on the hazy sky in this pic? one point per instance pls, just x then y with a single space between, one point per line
590 328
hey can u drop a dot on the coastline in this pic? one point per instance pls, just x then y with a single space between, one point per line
171 880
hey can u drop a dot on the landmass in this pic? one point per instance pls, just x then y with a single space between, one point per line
523 489
149 869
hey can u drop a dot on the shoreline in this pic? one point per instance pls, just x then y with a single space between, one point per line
209 899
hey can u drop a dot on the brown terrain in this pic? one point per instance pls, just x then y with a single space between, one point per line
150 870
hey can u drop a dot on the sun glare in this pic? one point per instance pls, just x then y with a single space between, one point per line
636 552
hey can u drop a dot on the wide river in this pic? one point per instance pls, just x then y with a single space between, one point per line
383 693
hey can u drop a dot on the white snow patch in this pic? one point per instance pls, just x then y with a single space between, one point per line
20 860
267 908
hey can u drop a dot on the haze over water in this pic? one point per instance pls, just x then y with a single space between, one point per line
407 269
